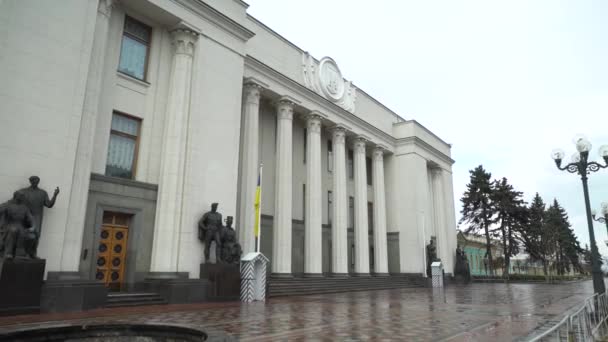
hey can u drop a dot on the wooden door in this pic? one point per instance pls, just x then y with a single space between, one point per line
112 249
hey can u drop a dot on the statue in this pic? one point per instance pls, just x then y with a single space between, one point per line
209 229
231 249
462 266
17 224
36 199
431 255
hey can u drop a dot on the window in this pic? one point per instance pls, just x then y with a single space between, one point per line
350 164
351 211
122 149
368 168
330 156
303 202
329 202
305 135
135 49
370 215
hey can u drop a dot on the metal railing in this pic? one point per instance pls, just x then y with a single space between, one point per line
588 323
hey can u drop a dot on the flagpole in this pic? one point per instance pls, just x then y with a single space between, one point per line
259 227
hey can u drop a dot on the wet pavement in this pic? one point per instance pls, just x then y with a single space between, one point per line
478 312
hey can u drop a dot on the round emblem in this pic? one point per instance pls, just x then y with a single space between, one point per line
119 235
115 262
117 249
114 275
104 234
99 275
103 248
330 79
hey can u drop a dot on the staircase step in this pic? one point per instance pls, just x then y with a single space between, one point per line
118 299
305 286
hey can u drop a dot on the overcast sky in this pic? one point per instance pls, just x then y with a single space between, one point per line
503 82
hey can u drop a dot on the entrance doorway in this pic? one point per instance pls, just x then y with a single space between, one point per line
112 249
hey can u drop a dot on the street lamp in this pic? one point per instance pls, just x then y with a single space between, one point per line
603 218
580 164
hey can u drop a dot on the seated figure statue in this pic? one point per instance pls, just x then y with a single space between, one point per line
16 224
231 249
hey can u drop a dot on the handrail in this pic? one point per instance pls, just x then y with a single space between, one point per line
586 323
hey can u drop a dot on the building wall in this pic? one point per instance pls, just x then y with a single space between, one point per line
45 57
43 137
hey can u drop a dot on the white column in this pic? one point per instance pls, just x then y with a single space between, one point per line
450 214
312 221
281 246
439 216
250 164
380 249
361 219
171 183
72 239
339 232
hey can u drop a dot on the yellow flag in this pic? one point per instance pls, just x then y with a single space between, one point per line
257 205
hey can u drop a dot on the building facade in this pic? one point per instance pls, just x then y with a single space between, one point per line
144 112
474 247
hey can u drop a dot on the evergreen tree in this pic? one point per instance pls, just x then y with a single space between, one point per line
477 207
566 245
511 216
536 234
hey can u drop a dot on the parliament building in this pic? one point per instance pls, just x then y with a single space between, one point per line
145 112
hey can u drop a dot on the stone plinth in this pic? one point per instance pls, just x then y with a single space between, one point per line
224 280
20 285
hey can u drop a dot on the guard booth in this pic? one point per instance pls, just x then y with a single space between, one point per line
253 277
437 273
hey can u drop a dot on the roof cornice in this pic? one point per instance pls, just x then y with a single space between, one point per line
217 18
328 106
416 141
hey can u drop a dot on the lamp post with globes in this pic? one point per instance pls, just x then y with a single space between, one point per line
580 164
603 218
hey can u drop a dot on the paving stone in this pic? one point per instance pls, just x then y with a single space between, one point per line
478 312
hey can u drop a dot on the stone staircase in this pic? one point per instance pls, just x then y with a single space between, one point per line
121 299
296 286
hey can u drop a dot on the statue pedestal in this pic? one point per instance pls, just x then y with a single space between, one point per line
224 281
21 285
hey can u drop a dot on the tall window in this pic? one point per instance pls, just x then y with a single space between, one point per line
368 168
330 156
122 150
329 201
303 202
351 211
370 215
351 166
135 49
305 142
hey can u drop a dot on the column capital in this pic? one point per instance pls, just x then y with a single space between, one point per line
338 133
379 151
437 171
184 41
359 143
285 108
254 82
105 7
252 91
313 121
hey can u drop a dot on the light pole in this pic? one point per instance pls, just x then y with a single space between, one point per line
580 164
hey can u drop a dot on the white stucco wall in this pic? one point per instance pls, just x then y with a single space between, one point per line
41 109
45 53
